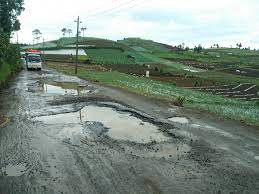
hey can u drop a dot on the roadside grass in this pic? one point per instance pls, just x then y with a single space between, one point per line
228 108
5 71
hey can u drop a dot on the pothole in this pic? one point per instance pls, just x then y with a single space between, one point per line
61 88
65 89
116 124
14 170
181 120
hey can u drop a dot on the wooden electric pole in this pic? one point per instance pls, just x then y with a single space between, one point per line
77 39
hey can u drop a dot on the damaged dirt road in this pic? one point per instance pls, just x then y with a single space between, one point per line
67 135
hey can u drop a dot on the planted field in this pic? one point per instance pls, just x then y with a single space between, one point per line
248 92
213 58
92 42
242 71
109 56
65 58
147 45
58 58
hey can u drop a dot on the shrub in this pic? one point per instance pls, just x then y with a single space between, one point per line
179 101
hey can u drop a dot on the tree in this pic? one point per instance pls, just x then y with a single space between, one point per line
9 11
239 45
198 48
83 29
64 31
36 35
69 31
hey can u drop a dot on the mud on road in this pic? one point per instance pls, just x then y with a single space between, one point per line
68 135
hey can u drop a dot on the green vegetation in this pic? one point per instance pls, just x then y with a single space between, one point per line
109 56
147 45
226 78
116 56
220 58
5 71
9 54
229 108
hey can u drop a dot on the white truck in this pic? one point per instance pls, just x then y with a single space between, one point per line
33 61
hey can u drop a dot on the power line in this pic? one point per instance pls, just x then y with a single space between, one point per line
116 11
111 9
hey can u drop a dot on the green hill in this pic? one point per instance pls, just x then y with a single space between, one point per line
145 45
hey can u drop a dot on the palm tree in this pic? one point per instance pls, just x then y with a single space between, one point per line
64 31
36 35
69 31
83 29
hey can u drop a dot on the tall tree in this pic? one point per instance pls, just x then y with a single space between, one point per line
239 45
64 31
69 31
36 35
83 29
9 10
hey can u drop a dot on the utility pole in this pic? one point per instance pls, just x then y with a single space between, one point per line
43 52
77 39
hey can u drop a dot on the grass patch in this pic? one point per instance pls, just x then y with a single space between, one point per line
228 108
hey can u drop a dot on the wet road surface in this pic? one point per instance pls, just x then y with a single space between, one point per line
67 135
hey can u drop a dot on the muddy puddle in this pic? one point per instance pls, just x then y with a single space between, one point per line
62 88
116 124
181 120
14 170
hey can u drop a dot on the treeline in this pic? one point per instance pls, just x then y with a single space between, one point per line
9 53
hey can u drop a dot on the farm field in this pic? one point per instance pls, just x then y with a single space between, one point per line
214 67
249 92
225 107
109 56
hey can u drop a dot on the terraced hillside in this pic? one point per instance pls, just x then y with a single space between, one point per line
143 45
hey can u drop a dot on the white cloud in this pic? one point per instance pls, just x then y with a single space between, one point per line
173 21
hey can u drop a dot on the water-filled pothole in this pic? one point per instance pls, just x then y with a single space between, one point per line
64 88
14 170
182 120
61 88
120 125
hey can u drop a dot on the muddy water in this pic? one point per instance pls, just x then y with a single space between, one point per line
63 89
121 125
182 120
14 170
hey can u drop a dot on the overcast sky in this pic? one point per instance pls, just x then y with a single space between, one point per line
170 21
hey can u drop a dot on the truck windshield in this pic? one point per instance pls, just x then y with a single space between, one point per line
34 59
